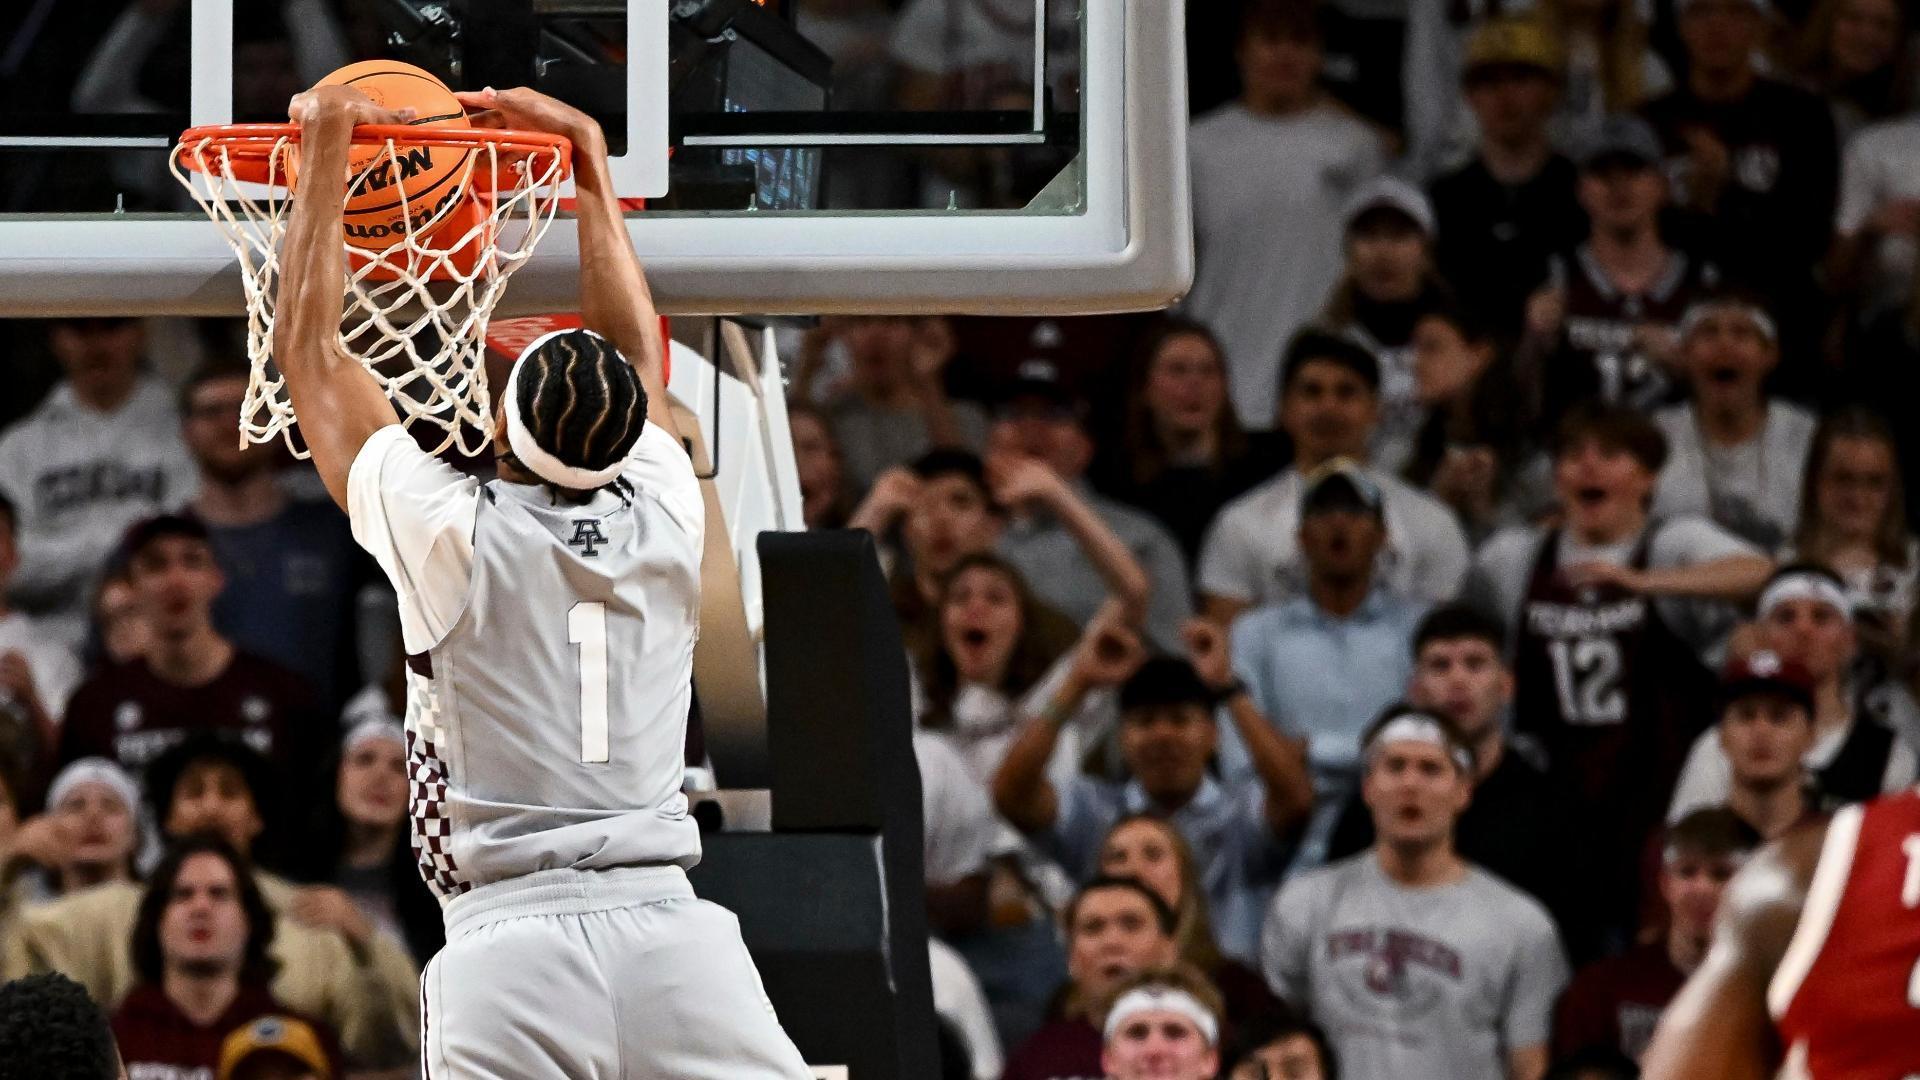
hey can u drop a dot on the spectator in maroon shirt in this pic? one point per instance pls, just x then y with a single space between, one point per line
200 950
191 678
1116 928
1613 1005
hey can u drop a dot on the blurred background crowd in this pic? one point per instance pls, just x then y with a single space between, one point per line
1412 631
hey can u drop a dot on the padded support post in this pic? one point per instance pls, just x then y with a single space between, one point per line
833 901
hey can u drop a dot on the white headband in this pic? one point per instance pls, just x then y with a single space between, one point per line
1421 728
1804 586
374 727
94 770
1163 999
545 465
1698 313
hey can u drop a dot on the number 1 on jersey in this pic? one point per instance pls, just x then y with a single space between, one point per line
587 628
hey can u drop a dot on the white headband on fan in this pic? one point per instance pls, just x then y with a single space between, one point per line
1421 728
94 770
1163 999
1804 586
529 451
1701 309
374 727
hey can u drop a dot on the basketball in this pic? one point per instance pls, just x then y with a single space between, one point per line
431 180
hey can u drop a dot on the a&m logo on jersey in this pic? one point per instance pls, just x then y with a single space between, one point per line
587 537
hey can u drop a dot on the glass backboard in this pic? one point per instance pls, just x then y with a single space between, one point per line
797 156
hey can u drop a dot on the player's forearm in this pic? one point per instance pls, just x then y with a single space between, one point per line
341 404
307 309
615 301
1715 1029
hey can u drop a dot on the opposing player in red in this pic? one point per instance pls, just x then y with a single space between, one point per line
1814 973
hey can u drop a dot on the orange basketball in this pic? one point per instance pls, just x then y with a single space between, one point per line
424 183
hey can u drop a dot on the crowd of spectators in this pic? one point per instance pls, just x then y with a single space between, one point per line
1376 666
1505 537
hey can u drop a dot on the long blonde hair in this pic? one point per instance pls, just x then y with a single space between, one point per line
1192 924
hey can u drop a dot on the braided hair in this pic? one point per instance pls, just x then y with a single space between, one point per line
582 402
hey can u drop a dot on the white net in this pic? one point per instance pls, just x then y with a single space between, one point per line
415 312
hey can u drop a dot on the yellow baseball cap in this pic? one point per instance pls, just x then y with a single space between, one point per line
1515 41
278 1035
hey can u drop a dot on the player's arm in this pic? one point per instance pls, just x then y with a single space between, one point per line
615 301
340 404
1718 1027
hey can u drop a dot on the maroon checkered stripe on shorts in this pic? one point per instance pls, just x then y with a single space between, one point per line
432 832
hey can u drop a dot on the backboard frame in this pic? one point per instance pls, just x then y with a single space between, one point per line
1126 245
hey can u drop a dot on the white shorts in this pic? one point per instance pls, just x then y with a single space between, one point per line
597 975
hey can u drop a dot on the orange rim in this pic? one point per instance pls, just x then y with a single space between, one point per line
249 147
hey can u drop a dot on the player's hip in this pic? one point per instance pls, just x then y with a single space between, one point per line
564 892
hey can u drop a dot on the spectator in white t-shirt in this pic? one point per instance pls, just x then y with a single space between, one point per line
37 672
1418 963
960 836
961 1004
1329 404
1877 222
988 665
102 452
1271 173
1734 454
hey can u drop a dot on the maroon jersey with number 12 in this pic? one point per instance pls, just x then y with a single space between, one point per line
1846 997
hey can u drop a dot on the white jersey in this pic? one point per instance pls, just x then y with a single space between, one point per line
550 659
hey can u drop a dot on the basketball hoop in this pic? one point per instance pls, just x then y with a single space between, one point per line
416 309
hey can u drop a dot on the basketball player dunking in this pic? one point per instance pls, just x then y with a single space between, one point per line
549 617
1814 973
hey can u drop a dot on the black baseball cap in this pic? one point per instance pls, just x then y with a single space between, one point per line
1039 378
